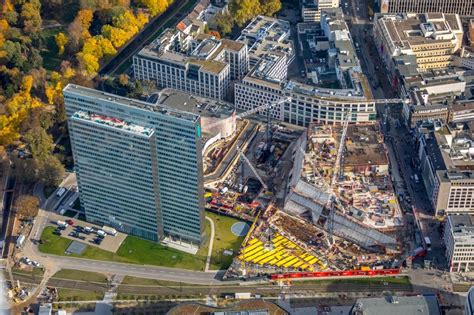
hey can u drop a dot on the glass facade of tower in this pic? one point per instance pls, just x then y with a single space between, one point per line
138 165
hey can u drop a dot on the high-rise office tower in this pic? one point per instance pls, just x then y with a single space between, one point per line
138 165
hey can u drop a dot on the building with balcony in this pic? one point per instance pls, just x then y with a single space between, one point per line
192 62
335 83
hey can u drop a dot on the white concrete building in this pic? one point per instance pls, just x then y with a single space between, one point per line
313 103
265 35
447 164
197 64
459 241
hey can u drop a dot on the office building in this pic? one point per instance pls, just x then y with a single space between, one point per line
447 166
138 164
335 82
459 241
311 9
406 305
432 38
464 7
192 62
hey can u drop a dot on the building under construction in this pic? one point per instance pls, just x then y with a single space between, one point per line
339 211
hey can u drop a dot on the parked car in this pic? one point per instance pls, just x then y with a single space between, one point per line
98 240
70 222
57 232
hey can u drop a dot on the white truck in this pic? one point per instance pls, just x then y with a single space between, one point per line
62 224
109 230
20 241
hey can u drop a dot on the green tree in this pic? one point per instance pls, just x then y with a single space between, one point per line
14 54
270 7
52 171
244 10
31 17
26 169
40 143
224 23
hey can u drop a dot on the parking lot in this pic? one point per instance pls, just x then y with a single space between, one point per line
109 243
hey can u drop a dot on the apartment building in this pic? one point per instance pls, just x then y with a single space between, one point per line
432 38
138 165
465 7
337 85
459 241
447 166
311 9
195 63
264 35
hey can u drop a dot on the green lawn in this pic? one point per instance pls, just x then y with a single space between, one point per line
51 60
139 251
80 275
224 240
78 295
35 271
128 280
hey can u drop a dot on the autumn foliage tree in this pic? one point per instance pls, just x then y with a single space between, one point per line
27 206
61 41
155 7
244 10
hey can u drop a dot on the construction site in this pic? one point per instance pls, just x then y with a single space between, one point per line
338 212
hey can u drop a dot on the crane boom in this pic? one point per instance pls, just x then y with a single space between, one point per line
242 155
337 167
251 111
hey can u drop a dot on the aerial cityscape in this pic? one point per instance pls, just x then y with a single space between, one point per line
237 157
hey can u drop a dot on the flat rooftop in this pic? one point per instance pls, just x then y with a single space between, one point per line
407 30
395 305
191 104
123 125
108 97
462 228
265 34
